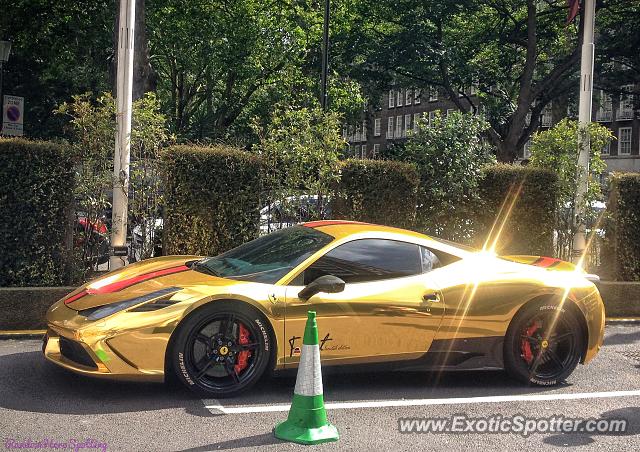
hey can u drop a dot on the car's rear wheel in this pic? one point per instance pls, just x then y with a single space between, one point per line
222 349
543 344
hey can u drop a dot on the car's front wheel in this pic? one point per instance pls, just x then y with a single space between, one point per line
543 344
222 349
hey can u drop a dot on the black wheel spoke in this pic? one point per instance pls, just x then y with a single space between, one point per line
230 368
226 326
554 357
206 340
530 339
204 370
560 337
245 347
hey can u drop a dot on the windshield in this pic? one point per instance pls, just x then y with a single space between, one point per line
267 258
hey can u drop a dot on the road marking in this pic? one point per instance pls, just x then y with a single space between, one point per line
217 408
214 406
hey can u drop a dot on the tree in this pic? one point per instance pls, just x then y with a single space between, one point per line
518 54
449 153
557 149
301 148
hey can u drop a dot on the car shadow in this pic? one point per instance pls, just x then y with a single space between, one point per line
630 414
30 383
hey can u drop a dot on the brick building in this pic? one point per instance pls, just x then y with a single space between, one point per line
401 108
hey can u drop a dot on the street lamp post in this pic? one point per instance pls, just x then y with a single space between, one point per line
325 56
584 118
122 153
5 51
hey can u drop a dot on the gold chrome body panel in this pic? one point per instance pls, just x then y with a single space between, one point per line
374 322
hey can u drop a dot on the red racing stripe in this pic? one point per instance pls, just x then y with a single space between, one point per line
120 285
320 223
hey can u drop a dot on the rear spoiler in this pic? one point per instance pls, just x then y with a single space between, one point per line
550 263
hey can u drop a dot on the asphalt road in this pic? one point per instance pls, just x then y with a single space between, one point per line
39 401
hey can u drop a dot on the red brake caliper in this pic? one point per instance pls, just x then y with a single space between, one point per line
243 356
525 346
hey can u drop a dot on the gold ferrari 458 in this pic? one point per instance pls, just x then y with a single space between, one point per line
384 297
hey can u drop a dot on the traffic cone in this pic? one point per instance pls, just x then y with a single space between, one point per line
307 422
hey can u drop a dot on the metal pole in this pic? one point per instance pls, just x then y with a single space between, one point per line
123 134
584 119
325 56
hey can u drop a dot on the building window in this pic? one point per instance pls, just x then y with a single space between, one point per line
376 127
357 134
407 96
407 124
432 116
626 103
363 151
604 113
376 151
526 151
546 116
364 130
398 126
433 94
416 119
449 111
606 150
624 141
390 128
392 98
417 94
399 98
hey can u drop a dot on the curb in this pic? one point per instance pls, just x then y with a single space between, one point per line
22 334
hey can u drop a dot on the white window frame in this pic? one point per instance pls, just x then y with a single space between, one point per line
408 95
416 119
546 119
399 98
398 132
364 131
432 116
407 125
606 150
377 127
417 94
433 94
620 142
363 151
390 128
392 98
604 113
376 151
450 110
526 150
625 106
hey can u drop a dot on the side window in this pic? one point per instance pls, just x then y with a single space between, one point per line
432 259
368 260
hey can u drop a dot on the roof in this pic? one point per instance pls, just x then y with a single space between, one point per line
344 228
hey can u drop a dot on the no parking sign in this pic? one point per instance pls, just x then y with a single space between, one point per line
12 115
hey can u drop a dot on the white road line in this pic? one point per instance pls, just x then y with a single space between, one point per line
214 406
220 409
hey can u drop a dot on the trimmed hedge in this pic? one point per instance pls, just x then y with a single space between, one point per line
622 244
530 225
36 195
377 191
212 199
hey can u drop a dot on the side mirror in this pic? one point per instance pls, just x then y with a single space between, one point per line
326 284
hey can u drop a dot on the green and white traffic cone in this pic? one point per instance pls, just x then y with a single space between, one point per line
307 422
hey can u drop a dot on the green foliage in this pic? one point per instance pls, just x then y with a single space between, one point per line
36 192
300 148
92 129
556 149
622 247
517 210
449 154
212 199
377 191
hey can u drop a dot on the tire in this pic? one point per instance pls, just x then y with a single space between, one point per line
207 351
543 344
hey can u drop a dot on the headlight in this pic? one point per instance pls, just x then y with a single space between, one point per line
101 312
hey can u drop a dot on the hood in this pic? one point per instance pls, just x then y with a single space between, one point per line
140 279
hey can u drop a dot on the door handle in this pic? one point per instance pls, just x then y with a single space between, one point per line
432 297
